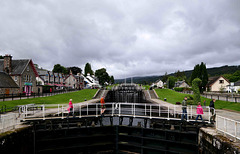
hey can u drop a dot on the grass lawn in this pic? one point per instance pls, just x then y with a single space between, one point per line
173 97
77 96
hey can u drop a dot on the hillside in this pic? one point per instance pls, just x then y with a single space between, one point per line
215 71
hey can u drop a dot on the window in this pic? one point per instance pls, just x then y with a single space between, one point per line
25 78
15 78
221 81
27 68
30 78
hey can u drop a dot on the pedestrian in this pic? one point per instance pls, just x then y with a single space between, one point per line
184 108
199 111
70 108
103 107
212 110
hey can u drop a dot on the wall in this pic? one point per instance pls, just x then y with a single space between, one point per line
11 90
210 141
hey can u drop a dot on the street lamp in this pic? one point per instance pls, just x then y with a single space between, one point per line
232 88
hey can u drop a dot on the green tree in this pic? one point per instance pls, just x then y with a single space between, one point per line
196 92
200 71
111 79
165 77
88 69
59 69
171 82
1 57
75 70
180 75
102 76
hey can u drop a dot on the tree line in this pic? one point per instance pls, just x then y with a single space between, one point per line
101 73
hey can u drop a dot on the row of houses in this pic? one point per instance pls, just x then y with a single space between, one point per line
215 84
22 76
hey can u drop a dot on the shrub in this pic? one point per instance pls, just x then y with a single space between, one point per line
239 91
179 89
196 92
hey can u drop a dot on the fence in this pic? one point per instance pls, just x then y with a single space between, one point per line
8 97
223 97
117 109
228 126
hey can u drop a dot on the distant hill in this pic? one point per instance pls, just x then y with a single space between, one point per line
215 71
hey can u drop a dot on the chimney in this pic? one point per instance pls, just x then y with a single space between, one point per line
7 65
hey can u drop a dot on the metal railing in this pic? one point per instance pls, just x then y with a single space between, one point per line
228 126
140 110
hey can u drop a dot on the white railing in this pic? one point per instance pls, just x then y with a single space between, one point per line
228 126
119 109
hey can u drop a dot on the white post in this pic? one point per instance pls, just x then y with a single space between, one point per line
58 110
80 114
159 110
112 109
134 111
73 109
191 112
62 111
174 110
209 116
168 113
96 110
145 109
26 110
150 111
119 109
87 108
187 114
132 108
43 112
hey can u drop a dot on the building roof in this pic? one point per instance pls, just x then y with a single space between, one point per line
18 66
7 81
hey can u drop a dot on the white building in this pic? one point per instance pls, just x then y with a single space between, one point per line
235 86
217 84
158 84
91 81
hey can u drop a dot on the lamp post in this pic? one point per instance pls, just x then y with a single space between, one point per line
232 87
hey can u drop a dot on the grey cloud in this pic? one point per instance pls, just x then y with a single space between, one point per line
129 38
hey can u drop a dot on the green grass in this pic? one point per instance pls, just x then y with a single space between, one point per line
78 96
173 97
146 87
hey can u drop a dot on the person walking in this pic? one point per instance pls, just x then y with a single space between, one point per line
184 108
212 110
103 107
70 108
199 111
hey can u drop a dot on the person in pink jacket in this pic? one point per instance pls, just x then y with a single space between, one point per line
199 111
70 107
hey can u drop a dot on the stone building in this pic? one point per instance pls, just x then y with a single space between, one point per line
22 71
7 84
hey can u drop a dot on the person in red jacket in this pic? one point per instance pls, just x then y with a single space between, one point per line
199 111
103 107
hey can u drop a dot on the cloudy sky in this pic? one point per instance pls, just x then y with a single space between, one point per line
127 37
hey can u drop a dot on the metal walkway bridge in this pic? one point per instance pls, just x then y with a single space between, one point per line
135 110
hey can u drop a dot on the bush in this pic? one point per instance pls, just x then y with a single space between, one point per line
196 92
179 89
239 91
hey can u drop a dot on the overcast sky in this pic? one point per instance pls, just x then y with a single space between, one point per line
127 37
